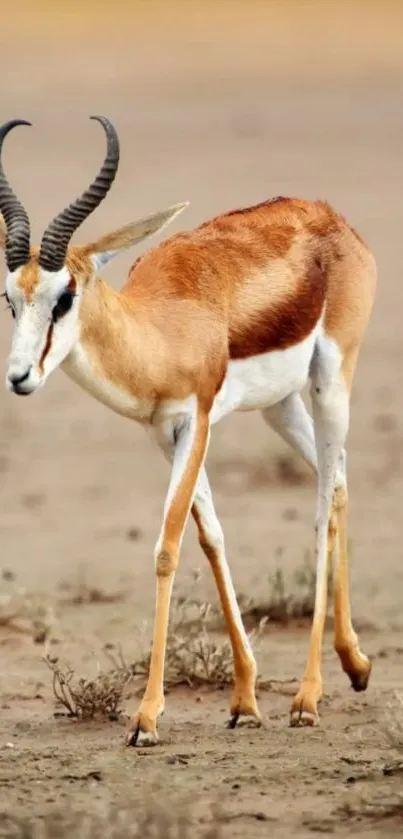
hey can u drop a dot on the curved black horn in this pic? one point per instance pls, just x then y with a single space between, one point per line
57 236
15 217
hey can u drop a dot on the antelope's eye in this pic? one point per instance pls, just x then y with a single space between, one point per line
63 305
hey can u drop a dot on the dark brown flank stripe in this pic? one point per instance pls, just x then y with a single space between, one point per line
286 323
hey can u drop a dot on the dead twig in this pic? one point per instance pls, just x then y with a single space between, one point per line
88 698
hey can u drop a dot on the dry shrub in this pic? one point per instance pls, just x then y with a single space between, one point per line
153 820
24 612
88 698
194 657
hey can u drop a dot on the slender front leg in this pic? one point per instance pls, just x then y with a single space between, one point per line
211 538
190 447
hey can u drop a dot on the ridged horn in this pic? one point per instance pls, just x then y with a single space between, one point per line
57 235
17 249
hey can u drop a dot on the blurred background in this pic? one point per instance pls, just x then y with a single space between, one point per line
223 103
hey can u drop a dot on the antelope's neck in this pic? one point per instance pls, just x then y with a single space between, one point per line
109 359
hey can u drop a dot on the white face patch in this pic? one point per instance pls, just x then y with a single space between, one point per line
46 328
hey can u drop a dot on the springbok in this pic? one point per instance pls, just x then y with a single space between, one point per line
237 314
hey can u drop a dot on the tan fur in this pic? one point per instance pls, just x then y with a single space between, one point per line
239 285
77 262
147 353
30 275
78 259
242 284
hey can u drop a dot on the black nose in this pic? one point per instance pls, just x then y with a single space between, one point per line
17 379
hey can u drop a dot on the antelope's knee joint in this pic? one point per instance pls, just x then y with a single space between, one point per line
166 563
340 498
331 533
332 526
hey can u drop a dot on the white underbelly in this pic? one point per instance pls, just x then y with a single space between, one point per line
263 380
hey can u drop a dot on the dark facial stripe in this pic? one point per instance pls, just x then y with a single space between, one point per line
46 348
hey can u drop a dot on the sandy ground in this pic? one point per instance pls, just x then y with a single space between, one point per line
223 105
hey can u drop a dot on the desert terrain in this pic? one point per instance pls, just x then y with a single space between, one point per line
222 104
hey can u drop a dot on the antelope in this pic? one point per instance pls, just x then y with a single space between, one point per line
238 314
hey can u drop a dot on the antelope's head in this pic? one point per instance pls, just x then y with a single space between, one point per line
45 285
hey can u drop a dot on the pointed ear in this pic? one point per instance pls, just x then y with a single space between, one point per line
3 233
110 245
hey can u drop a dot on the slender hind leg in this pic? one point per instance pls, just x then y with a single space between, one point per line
243 704
291 420
293 423
330 404
353 661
